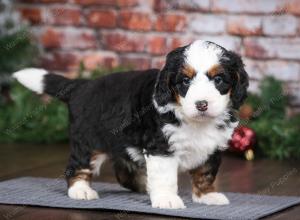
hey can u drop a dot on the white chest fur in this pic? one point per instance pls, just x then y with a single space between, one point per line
193 143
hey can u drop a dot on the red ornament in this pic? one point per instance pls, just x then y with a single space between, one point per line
243 139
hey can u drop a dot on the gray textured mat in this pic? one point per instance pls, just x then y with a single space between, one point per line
52 193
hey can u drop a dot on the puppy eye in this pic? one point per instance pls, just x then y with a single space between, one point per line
186 81
218 80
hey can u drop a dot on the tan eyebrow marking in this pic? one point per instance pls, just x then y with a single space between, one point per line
214 70
189 71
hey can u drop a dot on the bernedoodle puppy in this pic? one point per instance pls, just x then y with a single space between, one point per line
152 124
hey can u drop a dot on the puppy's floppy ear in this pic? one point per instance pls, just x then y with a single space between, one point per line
240 86
163 93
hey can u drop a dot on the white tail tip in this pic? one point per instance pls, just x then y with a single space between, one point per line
32 78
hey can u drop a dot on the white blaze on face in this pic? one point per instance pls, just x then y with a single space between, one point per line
202 56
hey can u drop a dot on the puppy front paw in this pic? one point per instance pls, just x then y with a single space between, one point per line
213 198
81 191
167 201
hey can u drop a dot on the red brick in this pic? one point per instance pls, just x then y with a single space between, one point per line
96 2
212 24
249 6
124 42
179 42
42 1
136 62
280 25
244 25
293 7
170 22
282 48
127 3
34 15
63 16
255 68
81 39
283 70
101 18
93 60
61 61
253 49
176 42
157 45
51 38
158 62
228 42
68 38
135 20
186 5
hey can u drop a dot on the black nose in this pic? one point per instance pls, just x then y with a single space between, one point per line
201 105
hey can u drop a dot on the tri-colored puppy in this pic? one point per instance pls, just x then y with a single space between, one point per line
152 124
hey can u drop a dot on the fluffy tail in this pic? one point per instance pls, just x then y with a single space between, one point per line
41 81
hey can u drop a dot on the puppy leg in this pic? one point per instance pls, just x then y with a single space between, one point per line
162 186
202 183
130 175
79 175
79 186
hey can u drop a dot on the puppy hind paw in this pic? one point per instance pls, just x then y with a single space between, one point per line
213 198
167 202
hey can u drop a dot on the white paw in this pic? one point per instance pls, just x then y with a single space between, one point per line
82 191
212 198
169 201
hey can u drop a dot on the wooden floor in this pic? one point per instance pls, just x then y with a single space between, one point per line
236 175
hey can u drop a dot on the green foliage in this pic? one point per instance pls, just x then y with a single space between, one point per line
30 120
101 72
278 136
16 51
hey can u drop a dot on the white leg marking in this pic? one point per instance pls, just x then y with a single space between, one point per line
97 162
81 190
32 78
213 198
162 182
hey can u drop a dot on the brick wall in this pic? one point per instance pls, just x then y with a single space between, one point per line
139 33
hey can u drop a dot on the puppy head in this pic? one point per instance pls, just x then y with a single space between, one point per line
202 80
